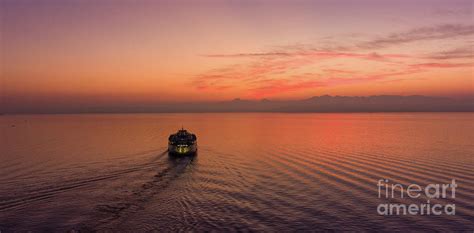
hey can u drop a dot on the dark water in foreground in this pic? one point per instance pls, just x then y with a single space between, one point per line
268 172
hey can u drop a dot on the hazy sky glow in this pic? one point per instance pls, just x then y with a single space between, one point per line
113 52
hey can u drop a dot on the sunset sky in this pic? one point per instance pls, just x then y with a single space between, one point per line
84 52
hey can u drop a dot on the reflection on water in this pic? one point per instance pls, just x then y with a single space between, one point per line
253 172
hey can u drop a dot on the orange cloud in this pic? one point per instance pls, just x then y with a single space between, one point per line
442 65
295 68
278 86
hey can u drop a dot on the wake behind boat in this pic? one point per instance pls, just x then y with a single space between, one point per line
182 143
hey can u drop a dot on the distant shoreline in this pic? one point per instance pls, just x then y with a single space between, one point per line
316 104
119 113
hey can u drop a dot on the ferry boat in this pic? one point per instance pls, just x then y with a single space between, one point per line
182 143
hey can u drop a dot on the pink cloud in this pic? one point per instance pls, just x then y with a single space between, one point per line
270 54
259 75
312 53
280 86
443 31
455 53
338 71
345 81
442 65
280 70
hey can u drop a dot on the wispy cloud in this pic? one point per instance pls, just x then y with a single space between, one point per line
338 71
424 33
270 54
453 12
279 86
442 65
313 53
271 87
272 66
460 52
300 67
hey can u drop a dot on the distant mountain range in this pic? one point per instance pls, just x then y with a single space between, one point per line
325 103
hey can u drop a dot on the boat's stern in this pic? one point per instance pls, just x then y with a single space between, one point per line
182 149
182 143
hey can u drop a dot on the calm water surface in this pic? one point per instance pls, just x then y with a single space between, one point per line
254 171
